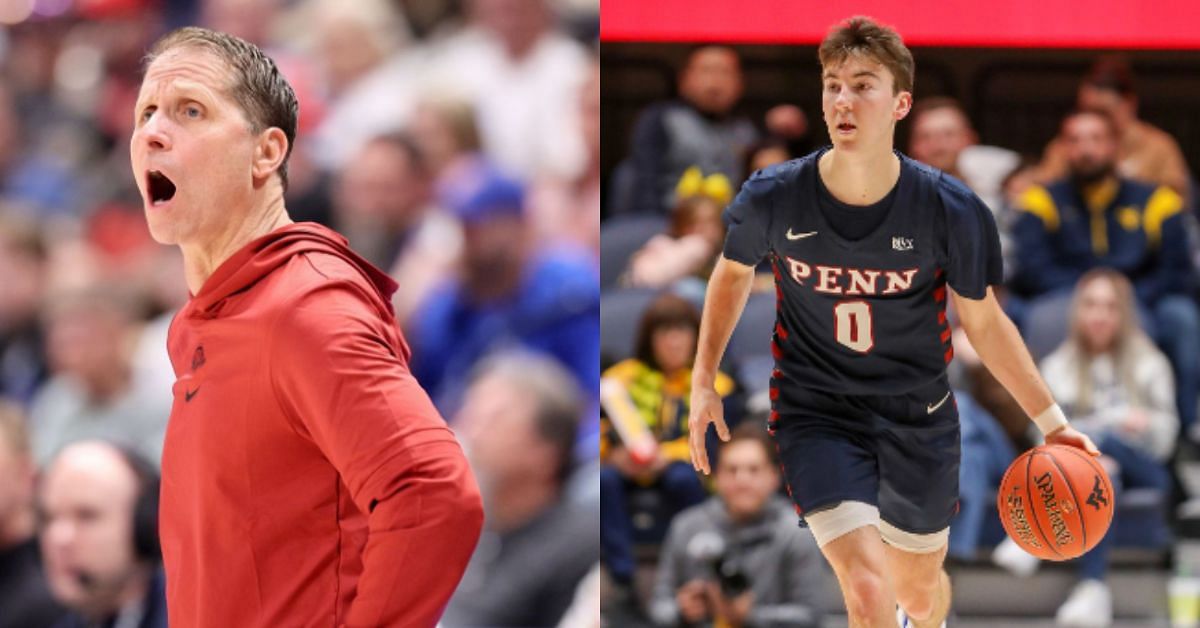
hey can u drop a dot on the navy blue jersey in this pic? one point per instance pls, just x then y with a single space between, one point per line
865 316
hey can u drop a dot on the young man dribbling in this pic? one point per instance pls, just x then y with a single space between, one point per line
864 243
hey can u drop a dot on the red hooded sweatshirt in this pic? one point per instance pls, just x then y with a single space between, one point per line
307 480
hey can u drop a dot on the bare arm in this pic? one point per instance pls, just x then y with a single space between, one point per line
728 290
1003 352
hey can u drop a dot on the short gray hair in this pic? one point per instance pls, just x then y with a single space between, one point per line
263 93
559 398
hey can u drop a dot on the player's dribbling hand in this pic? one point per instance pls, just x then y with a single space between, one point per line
1072 437
705 408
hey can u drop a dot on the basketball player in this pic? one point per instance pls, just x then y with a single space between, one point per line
307 480
866 245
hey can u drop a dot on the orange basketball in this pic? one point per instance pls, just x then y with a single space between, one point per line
1056 502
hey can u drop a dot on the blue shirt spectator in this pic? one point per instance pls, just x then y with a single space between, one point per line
506 295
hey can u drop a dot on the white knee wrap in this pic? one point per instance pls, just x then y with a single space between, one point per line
831 523
912 542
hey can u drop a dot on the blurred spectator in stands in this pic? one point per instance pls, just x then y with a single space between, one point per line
1017 181
686 252
370 70
739 559
251 20
1095 218
1144 151
23 266
382 204
24 594
699 129
523 77
1116 387
766 152
42 164
99 537
659 381
445 130
943 137
509 293
11 139
788 123
91 333
432 19
568 210
518 423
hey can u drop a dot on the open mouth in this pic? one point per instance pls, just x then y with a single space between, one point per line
846 127
160 188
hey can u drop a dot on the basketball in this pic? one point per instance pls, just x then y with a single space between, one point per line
1056 502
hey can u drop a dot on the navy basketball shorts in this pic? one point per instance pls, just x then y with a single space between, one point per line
899 453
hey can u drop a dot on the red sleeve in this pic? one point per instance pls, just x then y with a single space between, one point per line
342 382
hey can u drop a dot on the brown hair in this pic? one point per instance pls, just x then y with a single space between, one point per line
265 96
1112 73
863 36
933 103
666 311
460 117
690 211
754 432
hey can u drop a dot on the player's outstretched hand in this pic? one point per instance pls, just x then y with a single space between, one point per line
1072 437
706 408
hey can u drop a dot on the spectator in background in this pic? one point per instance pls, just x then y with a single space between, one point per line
1144 151
24 594
523 77
383 205
700 129
99 537
1116 386
568 210
445 130
687 251
11 140
23 267
370 70
509 294
659 381
942 136
764 153
518 423
738 559
1095 218
94 393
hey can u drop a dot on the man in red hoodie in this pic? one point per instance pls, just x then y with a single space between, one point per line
307 480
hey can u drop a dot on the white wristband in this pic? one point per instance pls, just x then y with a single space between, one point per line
1050 419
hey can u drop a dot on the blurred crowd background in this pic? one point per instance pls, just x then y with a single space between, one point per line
1088 162
456 143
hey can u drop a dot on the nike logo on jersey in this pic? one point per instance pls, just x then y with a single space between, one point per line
933 407
188 394
799 236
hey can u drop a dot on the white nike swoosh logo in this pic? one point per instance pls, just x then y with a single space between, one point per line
798 236
931 408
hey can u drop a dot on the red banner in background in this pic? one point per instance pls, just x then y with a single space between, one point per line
975 23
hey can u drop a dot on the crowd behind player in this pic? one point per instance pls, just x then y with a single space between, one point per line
1129 176
456 144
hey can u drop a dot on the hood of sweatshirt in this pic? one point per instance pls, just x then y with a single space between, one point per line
263 255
